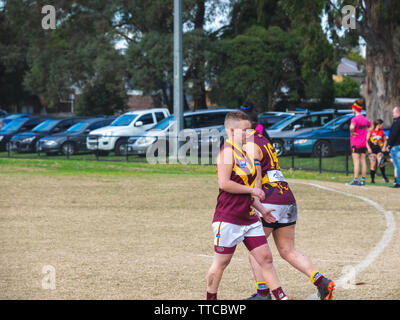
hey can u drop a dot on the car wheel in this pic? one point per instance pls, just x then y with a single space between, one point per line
278 146
68 149
323 149
120 147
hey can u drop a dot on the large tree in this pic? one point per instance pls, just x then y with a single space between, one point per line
377 22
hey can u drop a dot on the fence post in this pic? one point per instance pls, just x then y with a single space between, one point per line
320 161
67 150
126 151
8 146
347 157
97 149
292 146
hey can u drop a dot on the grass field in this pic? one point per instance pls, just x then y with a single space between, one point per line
138 231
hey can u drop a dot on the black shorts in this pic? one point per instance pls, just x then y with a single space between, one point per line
358 150
375 148
276 225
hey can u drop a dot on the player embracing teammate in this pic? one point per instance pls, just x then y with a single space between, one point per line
248 176
280 199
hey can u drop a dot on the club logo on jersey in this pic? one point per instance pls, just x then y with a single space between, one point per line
220 249
242 163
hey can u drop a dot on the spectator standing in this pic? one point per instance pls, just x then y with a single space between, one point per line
393 144
358 140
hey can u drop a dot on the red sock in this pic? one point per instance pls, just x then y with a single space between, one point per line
211 296
279 294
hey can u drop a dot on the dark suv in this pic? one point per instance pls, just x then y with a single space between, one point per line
26 142
74 139
18 126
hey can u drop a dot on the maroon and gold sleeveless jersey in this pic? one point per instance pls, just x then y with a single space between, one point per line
276 189
237 208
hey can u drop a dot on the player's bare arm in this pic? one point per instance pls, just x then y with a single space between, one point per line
266 213
352 127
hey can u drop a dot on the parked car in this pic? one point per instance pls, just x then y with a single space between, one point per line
72 140
267 119
27 141
12 116
299 124
17 126
115 136
3 113
210 120
331 139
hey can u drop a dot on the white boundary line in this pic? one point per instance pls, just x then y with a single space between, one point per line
375 252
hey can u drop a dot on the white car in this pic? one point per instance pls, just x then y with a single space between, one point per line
114 137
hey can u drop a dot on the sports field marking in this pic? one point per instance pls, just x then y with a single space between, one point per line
375 252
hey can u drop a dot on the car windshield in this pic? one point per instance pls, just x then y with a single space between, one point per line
282 123
124 120
334 123
78 126
14 125
45 126
163 124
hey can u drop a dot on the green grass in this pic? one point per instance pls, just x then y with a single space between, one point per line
60 166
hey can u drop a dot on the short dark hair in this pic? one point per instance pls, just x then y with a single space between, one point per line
236 116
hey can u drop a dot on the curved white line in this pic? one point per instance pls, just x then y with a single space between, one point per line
374 253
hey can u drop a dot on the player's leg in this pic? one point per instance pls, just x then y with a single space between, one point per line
356 165
372 159
363 160
285 242
380 159
263 257
263 291
214 275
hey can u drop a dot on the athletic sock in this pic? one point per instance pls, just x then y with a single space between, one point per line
383 171
279 294
362 178
262 288
356 179
211 296
316 278
373 175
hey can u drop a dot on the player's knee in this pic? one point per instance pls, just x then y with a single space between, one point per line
285 252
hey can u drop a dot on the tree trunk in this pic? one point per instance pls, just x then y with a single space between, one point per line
382 84
382 68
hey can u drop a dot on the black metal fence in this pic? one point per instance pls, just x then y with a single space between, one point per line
300 153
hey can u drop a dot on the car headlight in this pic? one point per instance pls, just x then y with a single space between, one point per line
145 141
28 140
301 141
50 143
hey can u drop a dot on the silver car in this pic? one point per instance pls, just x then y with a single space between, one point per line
207 124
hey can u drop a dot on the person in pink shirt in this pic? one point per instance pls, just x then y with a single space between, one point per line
359 128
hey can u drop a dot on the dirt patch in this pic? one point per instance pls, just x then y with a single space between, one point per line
150 238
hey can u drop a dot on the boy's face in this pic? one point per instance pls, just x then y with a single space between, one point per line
238 131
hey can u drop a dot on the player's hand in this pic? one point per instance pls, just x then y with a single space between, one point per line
354 134
259 193
267 216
